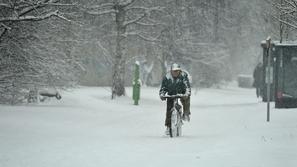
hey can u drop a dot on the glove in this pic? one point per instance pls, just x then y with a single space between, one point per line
162 97
184 96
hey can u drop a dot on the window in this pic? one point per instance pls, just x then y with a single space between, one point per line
290 73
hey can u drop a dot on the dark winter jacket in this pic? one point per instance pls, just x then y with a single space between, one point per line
173 86
258 76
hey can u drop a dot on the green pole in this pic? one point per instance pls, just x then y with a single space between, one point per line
136 84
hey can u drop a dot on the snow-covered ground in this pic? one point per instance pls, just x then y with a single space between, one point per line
228 128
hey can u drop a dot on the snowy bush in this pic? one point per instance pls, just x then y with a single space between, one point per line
35 54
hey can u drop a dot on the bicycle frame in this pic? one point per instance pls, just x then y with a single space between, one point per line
176 116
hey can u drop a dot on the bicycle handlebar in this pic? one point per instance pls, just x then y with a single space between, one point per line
175 96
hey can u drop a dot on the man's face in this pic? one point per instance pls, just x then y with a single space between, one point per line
175 73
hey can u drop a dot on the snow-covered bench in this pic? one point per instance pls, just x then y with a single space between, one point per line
42 95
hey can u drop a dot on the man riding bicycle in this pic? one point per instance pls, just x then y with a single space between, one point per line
176 82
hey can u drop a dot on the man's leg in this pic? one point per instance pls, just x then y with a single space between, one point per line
186 106
261 91
258 92
168 112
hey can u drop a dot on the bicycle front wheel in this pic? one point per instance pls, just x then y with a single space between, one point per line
175 128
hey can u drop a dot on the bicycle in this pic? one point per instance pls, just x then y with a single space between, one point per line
175 129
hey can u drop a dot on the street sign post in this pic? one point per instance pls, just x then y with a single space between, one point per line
269 76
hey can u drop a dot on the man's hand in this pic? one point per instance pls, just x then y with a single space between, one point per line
184 96
162 97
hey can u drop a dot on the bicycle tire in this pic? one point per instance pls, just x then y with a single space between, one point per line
179 125
174 123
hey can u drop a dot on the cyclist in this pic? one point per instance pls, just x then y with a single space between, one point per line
176 82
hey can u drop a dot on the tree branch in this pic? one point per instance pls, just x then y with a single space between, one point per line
106 54
147 12
126 23
31 18
100 6
60 4
295 3
149 39
285 22
152 23
39 4
5 5
157 8
2 33
5 26
148 24
128 3
101 13
290 3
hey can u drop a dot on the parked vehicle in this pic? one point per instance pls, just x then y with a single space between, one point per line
284 63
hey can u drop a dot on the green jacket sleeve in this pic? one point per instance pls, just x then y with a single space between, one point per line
187 85
164 88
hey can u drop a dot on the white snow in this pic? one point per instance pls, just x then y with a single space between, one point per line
85 128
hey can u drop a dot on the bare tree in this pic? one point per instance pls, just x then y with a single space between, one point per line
128 16
31 49
286 15
192 37
18 10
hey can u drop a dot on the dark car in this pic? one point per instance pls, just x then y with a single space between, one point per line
286 76
284 67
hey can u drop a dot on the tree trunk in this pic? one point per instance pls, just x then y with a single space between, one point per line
118 77
216 22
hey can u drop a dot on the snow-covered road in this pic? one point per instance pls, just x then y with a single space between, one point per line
228 128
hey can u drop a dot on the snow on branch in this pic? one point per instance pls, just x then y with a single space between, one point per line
137 20
60 4
2 33
208 58
151 23
291 3
148 24
127 3
106 54
27 5
64 18
32 18
101 12
288 10
5 5
5 26
139 35
287 23
35 6
100 6
147 9
106 8
288 6
126 23
295 2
